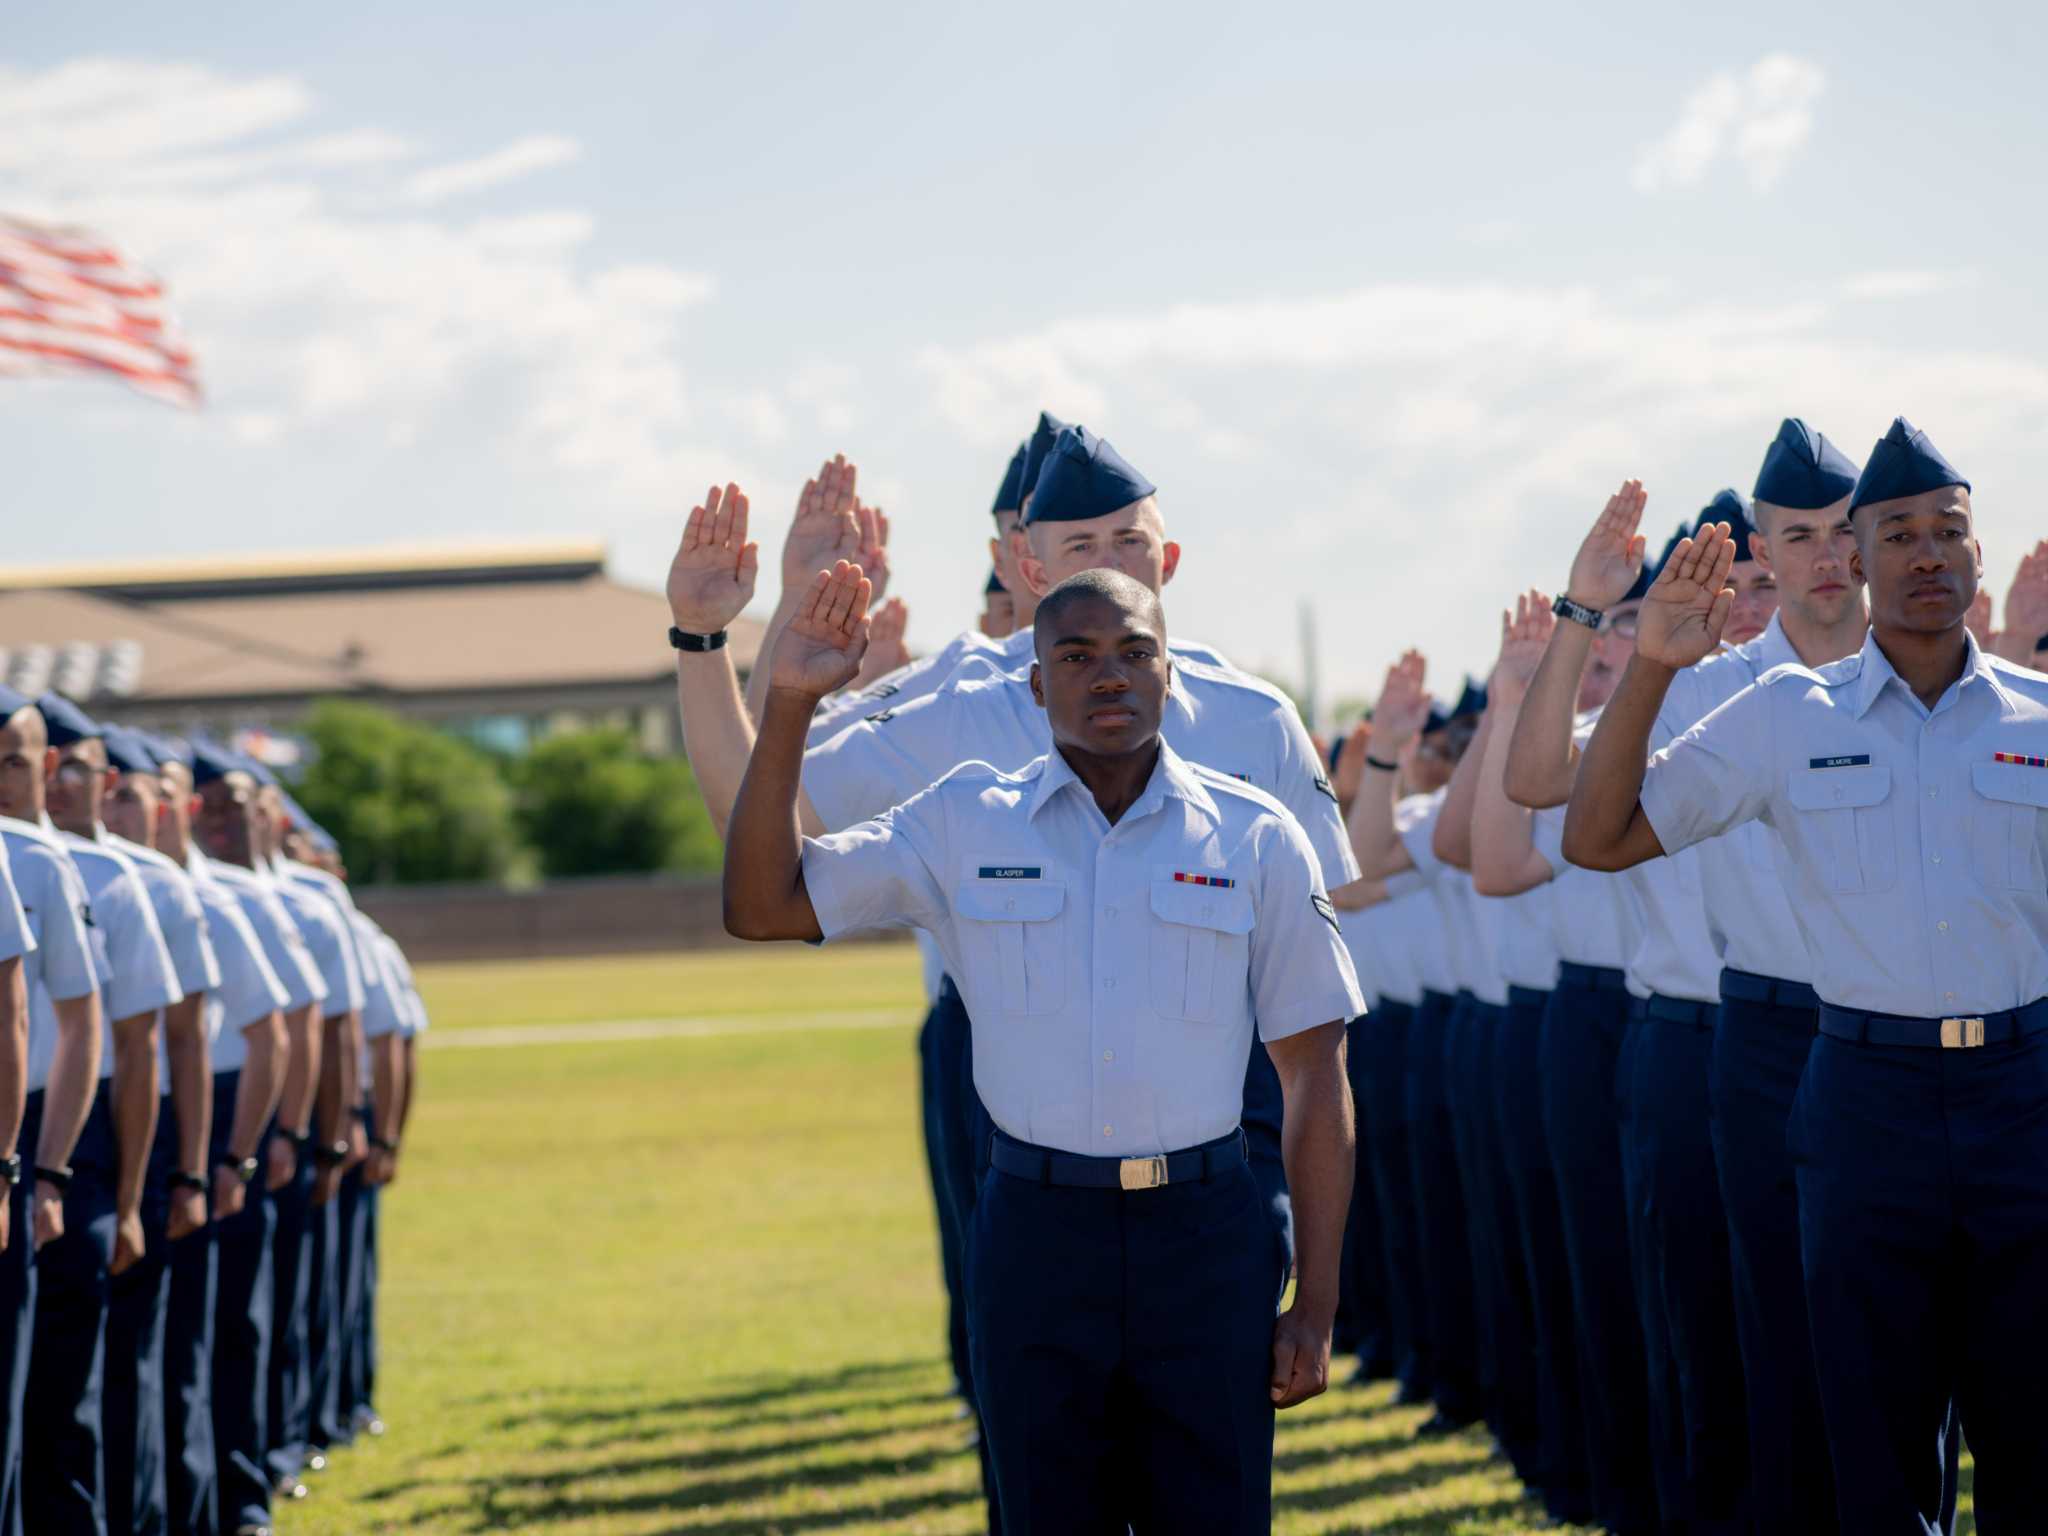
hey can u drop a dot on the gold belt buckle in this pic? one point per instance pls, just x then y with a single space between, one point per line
1141 1172
1961 1034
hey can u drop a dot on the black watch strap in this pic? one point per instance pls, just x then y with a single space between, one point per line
329 1154
384 1146
57 1174
683 640
10 1169
243 1168
1578 613
184 1179
1381 764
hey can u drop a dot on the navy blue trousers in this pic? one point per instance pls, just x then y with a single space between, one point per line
338 1387
929 1092
288 1385
359 1384
326 1300
1760 1050
1560 1475
1583 1030
1923 1220
1666 1421
1123 1344
1367 1308
1685 1231
132 1417
1378 1060
1440 1217
245 1295
61 1455
17 1315
189 1468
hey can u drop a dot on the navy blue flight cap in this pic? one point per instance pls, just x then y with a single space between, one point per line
1035 450
1472 701
1436 720
995 584
129 751
1803 470
1904 463
12 703
1084 477
1648 574
1010 494
168 749
67 722
211 760
1727 507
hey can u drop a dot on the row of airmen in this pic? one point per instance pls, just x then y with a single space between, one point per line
208 1069
1578 1214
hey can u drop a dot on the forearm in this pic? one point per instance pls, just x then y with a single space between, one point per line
303 1031
135 1106
387 1091
262 1080
1605 816
757 682
1318 1146
13 1053
191 1080
1373 838
332 1100
74 1079
1359 895
1504 857
408 1086
718 734
764 889
1541 758
1451 838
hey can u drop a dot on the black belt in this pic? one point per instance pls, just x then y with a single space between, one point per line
1591 978
1752 988
1673 1010
1041 1165
1527 997
1961 1033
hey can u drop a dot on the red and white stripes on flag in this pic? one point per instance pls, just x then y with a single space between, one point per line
70 303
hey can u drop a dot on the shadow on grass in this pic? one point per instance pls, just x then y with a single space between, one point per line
862 1445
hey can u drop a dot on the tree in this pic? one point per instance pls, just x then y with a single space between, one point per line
591 803
410 805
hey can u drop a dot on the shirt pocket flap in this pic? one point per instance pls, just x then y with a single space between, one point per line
1834 789
1010 901
1224 909
2014 783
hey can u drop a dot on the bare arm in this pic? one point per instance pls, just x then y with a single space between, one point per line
191 1079
1504 857
1451 838
134 1089
1359 895
1402 709
387 1098
765 896
409 1091
257 1087
1542 761
74 1079
1682 619
1318 1145
827 528
13 1052
710 581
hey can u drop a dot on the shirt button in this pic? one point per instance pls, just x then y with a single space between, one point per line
1111 1055
1942 926
1948 997
1009 906
1109 982
1932 793
1109 1130
1937 858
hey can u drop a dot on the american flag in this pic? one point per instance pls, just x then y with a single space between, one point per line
70 303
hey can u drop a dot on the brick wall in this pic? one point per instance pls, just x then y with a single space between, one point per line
567 917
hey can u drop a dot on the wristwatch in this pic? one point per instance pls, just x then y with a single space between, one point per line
10 1169
1578 613
683 640
382 1145
185 1179
58 1174
243 1168
329 1154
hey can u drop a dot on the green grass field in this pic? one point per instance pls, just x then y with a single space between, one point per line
687 1280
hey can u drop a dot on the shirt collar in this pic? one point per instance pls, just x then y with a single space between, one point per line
1876 670
1171 778
1774 648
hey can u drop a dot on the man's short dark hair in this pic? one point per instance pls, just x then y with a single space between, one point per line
1115 587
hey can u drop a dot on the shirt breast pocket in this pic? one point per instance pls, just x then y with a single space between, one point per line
1847 825
2005 824
1200 944
1014 928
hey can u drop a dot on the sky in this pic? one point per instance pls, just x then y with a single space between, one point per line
1386 304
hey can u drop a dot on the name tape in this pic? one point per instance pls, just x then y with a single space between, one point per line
1012 872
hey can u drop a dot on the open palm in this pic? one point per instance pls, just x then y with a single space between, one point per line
826 527
1687 606
2026 600
822 646
1524 635
1611 556
712 576
1402 706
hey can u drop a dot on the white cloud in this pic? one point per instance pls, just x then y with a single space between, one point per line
1905 284
1763 119
522 157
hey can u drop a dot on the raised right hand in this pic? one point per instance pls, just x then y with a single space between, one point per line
1402 707
827 526
1524 635
1611 556
822 646
712 576
1687 605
